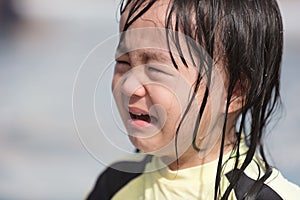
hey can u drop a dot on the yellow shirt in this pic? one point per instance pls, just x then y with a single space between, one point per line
158 182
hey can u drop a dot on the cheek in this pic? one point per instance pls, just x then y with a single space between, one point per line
167 103
115 80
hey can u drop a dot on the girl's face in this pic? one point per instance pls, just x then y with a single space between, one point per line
152 95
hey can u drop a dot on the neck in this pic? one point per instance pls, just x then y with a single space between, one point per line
192 157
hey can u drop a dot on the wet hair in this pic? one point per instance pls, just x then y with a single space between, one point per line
247 35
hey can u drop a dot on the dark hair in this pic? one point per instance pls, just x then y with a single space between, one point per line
247 35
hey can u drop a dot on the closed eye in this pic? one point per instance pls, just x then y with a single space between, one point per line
122 62
154 69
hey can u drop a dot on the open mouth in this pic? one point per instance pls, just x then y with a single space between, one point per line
143 119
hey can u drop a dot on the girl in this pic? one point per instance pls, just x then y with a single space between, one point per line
196 83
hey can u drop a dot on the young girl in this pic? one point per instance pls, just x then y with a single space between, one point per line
196 83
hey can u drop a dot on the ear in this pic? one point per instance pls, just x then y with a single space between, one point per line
238 97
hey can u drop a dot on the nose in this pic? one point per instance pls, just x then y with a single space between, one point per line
133 85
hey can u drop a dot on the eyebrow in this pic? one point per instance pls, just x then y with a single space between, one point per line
147 53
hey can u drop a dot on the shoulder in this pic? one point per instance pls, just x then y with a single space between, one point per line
118 175
276 187
283 187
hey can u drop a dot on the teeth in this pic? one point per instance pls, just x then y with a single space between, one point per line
139 114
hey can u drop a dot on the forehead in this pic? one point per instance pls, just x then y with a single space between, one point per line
152 40
148 31
151 43
154 17
146 34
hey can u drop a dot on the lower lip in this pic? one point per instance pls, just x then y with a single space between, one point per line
139 123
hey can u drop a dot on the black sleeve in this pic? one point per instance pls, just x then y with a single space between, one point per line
244 185
112 180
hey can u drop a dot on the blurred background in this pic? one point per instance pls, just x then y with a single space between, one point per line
42 46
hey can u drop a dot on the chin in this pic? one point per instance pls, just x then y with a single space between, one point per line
144 145
154 147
